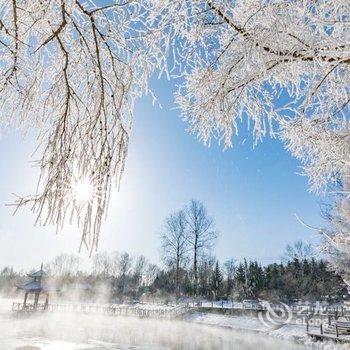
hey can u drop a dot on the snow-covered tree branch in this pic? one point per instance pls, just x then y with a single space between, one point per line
73 69
261 59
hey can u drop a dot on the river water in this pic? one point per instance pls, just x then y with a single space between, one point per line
71 332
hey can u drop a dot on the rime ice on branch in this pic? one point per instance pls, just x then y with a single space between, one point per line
73 69
283 65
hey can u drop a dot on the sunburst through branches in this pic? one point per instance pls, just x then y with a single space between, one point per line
84 190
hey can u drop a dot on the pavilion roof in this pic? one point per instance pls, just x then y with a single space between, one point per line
31 286
39 273
34 286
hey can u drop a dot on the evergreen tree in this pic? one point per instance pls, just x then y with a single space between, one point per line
217 279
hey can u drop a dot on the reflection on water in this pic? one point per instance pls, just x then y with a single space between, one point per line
61 345
92 345
73 332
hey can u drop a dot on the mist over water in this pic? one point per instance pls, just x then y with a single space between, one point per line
69 332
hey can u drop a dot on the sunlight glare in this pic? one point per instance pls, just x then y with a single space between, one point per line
83 190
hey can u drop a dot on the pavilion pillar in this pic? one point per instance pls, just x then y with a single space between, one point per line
25 300
46 302
36 300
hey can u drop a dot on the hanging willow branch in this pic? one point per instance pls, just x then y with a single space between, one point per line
69 68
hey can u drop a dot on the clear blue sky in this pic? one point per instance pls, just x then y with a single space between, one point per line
252 193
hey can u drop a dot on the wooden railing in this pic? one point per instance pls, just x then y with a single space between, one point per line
300 309
28 307
113 309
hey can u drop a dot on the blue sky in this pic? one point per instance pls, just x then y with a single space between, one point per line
252 193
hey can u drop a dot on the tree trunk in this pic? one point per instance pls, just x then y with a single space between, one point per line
195 285
177 274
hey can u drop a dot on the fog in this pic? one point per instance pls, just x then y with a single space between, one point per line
53 331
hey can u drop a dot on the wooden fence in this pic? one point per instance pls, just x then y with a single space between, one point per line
112 310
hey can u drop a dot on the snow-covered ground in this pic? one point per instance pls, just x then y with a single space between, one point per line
245 323
288 332
147 306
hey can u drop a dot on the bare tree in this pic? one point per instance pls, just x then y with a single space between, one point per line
125 265
175 243
115 268
140 270
230 271
151 274
63 265
205 270
201 233
299 250
102 264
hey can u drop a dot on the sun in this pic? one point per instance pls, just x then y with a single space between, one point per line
83 190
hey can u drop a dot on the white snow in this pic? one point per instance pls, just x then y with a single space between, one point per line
288 331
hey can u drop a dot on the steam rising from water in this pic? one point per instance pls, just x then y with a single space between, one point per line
71 332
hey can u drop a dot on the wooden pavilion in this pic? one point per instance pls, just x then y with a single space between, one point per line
37 287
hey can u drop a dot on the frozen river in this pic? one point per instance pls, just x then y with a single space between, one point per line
70 332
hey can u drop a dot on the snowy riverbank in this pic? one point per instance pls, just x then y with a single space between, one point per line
288 332
244 323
